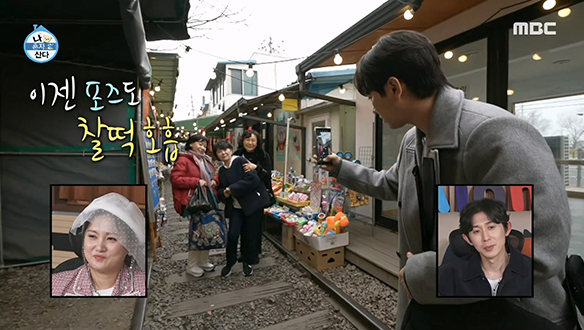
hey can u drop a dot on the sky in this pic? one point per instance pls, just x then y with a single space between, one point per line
300 28
552 111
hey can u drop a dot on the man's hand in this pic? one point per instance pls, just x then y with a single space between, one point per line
227 192
249 166
202 183
402 279
333 158
213 183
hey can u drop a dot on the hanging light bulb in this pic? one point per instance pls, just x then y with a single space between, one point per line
281 97
153 108
338 59
409 14
564 12
448 55
157 88
162 115
269 115
549 4
462 58
213 75
342 89
249 71
151 92
222 121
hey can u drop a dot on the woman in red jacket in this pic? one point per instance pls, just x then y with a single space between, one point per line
193 168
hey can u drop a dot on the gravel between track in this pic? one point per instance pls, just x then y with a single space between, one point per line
306 297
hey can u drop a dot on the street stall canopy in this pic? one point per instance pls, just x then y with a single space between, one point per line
258 109
195 123
41 139
164 77
359 38
86 29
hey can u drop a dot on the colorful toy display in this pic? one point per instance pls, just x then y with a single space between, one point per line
332 225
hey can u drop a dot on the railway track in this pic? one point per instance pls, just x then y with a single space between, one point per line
260 297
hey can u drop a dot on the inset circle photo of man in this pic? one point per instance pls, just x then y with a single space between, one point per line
496 268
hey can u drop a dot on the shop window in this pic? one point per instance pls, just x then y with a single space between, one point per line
465 68
546 87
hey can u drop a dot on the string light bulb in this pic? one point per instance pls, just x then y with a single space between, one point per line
549 4
269 115
338 59
564 12
151 93
342 89
222 121
448 55
213 75
281 97
462 58
249 71
409 14
157 88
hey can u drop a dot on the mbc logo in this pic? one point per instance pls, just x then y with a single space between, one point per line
533 28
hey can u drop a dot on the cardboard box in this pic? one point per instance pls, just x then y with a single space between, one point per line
288 239
326 242
320 260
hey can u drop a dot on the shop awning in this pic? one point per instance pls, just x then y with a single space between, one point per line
258 107
358 39
87 31
189 124
326 81
164 74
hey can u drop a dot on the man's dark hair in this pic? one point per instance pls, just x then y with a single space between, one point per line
408 56
248 134
221 145
195 138
495 210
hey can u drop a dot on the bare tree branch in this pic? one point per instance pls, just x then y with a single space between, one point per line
575 127
534 118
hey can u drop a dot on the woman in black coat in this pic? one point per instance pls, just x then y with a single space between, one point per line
244 196
260 161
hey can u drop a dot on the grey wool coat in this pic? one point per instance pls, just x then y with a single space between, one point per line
475 143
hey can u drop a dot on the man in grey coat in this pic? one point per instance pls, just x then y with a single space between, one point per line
470 143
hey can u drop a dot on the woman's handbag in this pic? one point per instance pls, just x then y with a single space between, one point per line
200 201
207 229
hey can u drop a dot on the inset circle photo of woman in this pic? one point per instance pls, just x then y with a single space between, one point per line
112 236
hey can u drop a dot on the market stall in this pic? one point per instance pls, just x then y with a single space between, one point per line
310 217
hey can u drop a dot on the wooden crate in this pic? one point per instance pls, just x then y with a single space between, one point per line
320 260
288 239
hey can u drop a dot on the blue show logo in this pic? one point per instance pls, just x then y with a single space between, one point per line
41 45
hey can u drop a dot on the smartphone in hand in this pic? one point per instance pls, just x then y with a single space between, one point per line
323 143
